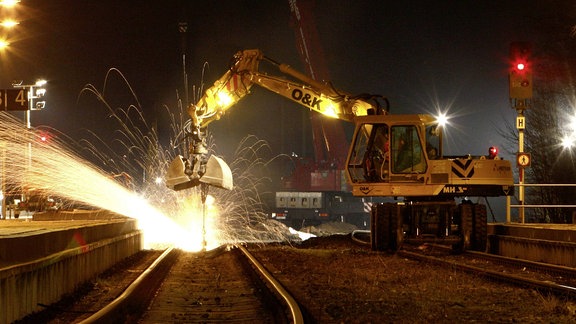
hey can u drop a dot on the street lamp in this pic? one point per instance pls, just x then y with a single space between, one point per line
567 142
9 3
9 23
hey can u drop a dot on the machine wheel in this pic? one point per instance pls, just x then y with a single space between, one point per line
466 227
480 227
378 227
396 229
384 225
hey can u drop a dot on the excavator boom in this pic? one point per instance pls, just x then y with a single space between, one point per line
234 85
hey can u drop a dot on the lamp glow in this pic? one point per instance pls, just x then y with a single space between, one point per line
442 119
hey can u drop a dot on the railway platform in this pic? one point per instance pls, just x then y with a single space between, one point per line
49 255
547 243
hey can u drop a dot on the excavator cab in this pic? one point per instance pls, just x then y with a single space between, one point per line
401 156
393 148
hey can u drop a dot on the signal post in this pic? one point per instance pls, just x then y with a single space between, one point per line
520 86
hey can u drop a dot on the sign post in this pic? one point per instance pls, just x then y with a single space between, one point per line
520 87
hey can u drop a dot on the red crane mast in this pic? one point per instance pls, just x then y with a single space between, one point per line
329 139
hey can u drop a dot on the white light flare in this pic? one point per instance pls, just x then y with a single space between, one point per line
224 98
330 108
567 142
9 3
572 125
442 119
9 23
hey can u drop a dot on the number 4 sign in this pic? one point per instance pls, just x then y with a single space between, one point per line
13 99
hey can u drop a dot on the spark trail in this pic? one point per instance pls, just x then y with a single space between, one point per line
167 217
53 169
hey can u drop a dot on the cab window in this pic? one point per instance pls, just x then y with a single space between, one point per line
407 153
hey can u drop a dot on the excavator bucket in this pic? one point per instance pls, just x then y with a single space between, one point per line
218 174
176 179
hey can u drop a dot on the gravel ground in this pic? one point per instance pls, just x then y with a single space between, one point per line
341 282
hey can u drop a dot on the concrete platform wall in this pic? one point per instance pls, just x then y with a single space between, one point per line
548 243
47 279
35 244
553 252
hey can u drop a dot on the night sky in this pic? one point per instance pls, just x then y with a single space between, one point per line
422 55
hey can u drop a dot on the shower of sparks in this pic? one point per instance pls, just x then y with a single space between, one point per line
125 176
30 164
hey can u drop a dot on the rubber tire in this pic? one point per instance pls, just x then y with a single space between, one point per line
480 228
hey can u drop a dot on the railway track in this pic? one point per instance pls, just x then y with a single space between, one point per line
547 278
335 280
226 284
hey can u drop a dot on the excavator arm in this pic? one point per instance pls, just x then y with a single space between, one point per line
235 84
244 73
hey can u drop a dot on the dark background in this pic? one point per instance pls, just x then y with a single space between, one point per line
425 56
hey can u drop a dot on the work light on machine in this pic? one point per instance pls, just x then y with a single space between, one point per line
442 119
492 152
224 98
330 111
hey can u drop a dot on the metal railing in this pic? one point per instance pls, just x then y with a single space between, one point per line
522 206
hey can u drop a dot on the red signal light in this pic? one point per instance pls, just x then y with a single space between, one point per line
44 137
492 152
520 74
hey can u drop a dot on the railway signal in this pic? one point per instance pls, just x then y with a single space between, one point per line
520 86
520 76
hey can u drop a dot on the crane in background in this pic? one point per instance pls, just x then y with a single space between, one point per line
323 177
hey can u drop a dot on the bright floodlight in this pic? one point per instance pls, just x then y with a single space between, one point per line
330 111
9 23
572 124
3 43
442 119
8 3
567 142
40 83
224 98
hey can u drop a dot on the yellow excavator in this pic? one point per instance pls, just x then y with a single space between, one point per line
398 156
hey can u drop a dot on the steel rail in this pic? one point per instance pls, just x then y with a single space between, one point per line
295 311
355 238
534 265
525 282
132 298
